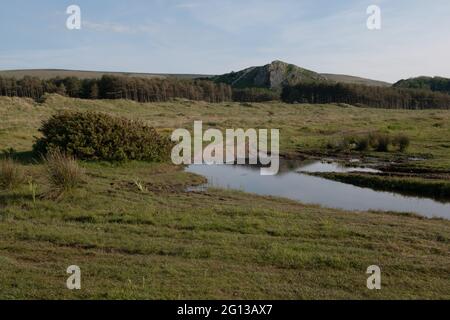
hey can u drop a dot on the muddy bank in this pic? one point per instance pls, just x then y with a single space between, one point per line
392 164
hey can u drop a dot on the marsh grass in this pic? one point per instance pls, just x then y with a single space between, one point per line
64 173
437 189
380 141
376 141
11 174
402 142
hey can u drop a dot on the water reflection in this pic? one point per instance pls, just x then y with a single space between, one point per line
291 183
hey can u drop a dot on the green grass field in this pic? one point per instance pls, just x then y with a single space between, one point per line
165 243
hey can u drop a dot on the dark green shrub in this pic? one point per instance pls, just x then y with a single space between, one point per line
97 136
401 141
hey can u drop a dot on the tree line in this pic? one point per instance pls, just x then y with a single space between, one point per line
117 87
164 89
255 95
355 94
427 83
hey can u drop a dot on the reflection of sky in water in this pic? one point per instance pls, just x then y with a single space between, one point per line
318 166
315 190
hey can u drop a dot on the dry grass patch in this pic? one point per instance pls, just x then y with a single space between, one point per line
64 172
11 174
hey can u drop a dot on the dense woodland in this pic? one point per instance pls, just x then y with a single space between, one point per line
158 89
427 83
255 95
117 87
377 97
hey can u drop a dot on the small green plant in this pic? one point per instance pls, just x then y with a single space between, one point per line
64 172
32 186
11 174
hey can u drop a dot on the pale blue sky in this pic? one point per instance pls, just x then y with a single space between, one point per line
217 36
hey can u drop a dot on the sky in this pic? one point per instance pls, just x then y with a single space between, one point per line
219 36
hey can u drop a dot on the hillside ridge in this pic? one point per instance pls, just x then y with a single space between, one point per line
272 75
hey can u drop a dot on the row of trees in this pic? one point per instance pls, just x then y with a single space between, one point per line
378 97
427 83
158 89
117 87
255 95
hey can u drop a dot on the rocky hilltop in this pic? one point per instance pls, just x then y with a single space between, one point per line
278 73
271 76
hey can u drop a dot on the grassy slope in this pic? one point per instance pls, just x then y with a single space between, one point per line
302 127
356 80
166 243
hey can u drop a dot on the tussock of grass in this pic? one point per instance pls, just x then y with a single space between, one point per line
64 173
376 141
11 174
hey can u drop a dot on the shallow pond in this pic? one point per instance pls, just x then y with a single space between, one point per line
293 184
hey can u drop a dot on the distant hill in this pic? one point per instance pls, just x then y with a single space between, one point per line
271 76
355 80
279 73
53 73
427 83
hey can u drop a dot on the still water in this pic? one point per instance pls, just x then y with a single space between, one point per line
293 184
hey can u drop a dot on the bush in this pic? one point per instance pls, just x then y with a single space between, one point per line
64 172
97 136
401 142
11 174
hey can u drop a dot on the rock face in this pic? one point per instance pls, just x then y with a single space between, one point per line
271 76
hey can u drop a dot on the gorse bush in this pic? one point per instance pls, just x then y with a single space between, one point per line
97 136
64 172
11 174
